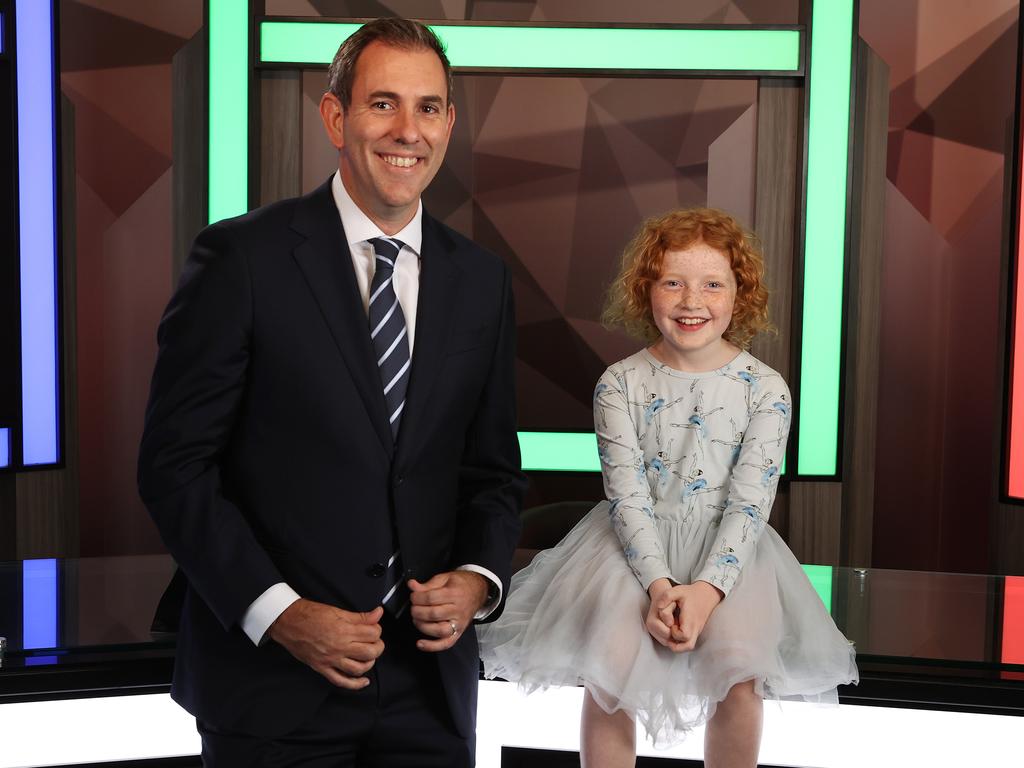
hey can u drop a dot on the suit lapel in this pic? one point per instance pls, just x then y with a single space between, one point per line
325 261
439 277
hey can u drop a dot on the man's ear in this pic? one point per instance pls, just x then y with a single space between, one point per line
333 116
451 118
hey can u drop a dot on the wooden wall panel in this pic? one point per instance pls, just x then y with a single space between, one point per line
188 148
775 207
280 135
867 215
815 511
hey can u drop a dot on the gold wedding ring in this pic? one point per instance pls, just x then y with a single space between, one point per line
455 628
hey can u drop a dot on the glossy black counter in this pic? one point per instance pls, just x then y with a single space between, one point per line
83 628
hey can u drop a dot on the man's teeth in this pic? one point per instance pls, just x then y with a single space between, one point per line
692 320
401 162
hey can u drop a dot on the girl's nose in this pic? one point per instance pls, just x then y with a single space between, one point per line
690 298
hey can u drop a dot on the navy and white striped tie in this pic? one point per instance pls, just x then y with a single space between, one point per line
388 330
391 344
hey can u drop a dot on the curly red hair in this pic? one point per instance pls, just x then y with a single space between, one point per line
629 298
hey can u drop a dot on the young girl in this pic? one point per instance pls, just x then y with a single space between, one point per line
675 601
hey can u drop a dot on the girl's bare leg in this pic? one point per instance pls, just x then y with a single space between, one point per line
606 741
732 737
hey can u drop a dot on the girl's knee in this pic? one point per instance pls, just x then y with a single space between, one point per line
741 696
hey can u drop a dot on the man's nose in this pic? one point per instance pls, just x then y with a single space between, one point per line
405 129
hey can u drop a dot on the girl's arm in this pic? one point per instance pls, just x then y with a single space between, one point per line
755 478
625 481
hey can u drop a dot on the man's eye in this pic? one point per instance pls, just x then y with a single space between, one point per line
382 105
431 109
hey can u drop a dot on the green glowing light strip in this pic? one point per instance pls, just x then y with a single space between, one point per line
820 577
825 235
759 52
559 451
228 27
571 48
563 452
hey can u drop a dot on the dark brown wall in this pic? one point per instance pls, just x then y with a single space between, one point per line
555 174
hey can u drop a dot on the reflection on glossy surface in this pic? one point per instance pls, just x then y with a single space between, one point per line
103 607
52 608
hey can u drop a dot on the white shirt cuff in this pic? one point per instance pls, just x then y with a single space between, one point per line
488 609
265 609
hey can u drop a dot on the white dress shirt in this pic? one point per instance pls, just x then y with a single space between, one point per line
359 229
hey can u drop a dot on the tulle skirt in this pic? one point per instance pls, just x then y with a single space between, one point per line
575 616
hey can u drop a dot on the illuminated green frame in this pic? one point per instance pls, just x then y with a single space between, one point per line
696 51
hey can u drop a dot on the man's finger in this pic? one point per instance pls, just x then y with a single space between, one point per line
441 644
434 582
352 633
352 668
370 617
364 651
339 680
434 612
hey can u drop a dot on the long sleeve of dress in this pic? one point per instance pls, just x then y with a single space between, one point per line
625 481
752 485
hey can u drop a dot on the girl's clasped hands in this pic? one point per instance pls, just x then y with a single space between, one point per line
678 612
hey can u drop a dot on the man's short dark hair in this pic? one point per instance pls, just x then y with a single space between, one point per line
399 33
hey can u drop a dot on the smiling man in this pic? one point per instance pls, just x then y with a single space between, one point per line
330 450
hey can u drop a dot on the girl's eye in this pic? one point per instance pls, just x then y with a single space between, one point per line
714 284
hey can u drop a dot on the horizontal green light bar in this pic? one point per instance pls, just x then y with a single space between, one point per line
565 452
559 451
472 46
825 236
228 109
820 577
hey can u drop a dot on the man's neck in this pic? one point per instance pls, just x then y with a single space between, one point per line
388 225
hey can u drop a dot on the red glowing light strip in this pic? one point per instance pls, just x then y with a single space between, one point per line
1016 457
1013 620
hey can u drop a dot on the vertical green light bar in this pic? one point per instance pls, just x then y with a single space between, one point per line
825 235
228 31
820 577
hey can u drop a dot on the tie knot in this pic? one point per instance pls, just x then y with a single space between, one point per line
386 249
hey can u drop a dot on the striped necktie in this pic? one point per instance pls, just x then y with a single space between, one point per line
388 330
391 345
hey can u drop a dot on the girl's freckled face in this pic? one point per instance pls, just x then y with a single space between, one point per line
692 304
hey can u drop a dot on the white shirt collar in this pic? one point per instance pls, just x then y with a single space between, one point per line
359 228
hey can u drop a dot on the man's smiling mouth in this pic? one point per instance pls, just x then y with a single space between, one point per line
400 161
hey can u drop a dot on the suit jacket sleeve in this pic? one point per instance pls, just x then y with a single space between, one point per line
197 391
491 483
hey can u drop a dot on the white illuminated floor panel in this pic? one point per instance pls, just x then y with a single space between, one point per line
135 727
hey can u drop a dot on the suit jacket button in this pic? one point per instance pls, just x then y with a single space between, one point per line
399 480
377 570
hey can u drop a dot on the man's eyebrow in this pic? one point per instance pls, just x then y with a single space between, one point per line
392 96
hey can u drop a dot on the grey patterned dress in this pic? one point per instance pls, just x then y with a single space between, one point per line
691 463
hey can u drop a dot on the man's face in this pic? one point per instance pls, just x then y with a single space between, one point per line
393 136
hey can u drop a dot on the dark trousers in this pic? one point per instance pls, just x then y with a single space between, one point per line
400 719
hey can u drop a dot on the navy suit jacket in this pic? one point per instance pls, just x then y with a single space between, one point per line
267 455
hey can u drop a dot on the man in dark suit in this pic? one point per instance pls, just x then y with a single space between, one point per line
330 450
